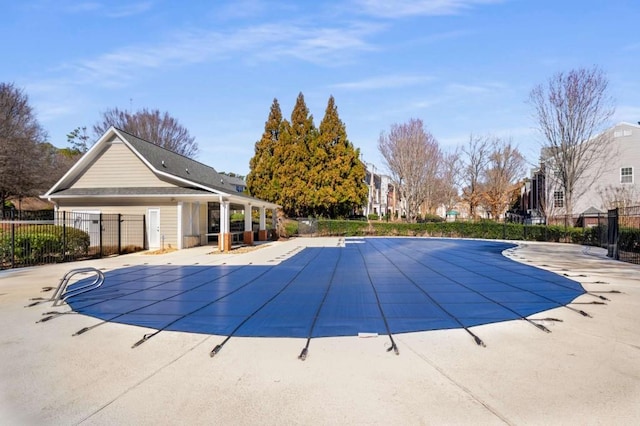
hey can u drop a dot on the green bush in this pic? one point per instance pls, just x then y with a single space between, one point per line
345 228
290 228
373 216
44 242
482 229
629 240
431 218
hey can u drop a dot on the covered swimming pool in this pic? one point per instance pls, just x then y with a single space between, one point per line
367 285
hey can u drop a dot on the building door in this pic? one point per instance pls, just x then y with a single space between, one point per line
154 228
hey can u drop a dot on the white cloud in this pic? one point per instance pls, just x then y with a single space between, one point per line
267 42
385 82
403 8
110 10
129 10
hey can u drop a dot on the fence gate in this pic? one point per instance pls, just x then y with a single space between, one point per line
612 235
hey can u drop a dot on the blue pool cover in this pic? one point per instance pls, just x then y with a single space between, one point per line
372 285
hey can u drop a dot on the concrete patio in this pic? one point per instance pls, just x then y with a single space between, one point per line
586 371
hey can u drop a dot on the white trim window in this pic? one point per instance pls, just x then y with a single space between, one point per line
558 199
626 174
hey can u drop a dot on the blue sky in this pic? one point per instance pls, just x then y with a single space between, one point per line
462 66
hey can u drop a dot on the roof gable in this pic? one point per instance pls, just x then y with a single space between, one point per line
168 166
167 162
117 166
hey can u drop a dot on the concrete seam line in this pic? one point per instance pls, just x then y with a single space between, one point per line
135 385
457 384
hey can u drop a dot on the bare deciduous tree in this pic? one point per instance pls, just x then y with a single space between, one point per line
475 157
449 179
572 110
505 167
152 126
619 196
20 136
411 154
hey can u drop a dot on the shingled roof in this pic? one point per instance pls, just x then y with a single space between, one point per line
167 161
190 176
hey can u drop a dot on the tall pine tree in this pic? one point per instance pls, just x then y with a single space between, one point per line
337 175
308 171
293 152
260 181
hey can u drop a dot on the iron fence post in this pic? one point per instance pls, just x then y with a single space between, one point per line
13 245
119 234
64 236
100 233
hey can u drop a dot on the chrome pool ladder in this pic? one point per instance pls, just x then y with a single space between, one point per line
62 293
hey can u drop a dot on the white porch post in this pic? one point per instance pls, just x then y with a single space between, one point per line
224 240
248 228
262 230
180 236
274 220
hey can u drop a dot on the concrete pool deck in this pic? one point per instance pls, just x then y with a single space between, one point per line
586 371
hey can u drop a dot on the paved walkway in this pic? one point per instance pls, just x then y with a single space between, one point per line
586 371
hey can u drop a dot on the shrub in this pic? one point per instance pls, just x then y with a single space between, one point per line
373 216
483 229
431 218
290 228
629 240
44 242
345 228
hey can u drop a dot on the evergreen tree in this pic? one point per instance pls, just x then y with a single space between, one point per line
260 180
336 173
293 154
308 171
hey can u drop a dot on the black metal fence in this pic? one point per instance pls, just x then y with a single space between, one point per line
15 214
69 236
624 234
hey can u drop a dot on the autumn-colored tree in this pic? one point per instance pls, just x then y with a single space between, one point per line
151 125
263 164
336 174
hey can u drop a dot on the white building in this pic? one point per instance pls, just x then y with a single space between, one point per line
383 197
608 184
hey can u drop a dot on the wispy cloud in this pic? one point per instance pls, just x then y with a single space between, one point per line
385 82
267 42
404 8
109 10
129 10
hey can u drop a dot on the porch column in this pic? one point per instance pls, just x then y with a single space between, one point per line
262 230
274 221
248 229
180 236
224 240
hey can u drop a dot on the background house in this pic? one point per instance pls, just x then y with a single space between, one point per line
382 196
615 184
185 203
